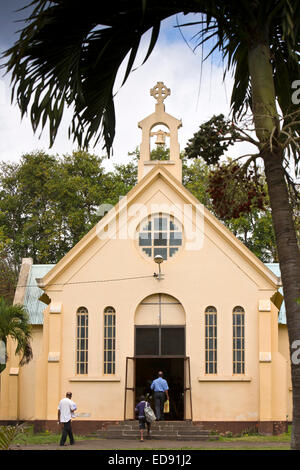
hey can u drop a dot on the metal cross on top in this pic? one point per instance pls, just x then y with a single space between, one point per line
160 92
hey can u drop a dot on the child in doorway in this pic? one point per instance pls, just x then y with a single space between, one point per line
140 407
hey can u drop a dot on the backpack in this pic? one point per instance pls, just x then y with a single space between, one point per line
149 413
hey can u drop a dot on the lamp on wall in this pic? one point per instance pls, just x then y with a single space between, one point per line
158 259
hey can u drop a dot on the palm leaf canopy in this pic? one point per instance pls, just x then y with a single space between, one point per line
14 322
70 51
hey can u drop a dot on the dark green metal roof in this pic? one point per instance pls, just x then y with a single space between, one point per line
32 303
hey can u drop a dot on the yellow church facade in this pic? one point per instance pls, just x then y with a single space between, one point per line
158 284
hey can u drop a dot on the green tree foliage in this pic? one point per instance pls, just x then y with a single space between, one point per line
8 278
252 226
47 204
258 40
255 230
160 153
235 192
195 177
14 322
206 143
122 179
8 271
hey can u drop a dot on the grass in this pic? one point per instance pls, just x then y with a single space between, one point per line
246 441
286 437
46 437
256 437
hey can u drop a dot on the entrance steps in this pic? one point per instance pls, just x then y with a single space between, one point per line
166 430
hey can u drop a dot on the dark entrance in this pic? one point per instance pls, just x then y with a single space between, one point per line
159 344
146 370
161 348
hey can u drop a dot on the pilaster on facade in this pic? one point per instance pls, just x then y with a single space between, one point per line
272 366
54 330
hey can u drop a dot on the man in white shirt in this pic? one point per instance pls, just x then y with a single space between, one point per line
66 410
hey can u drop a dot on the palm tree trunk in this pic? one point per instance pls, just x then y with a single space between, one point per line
289 261
265 118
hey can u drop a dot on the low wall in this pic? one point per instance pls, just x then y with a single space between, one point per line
235 427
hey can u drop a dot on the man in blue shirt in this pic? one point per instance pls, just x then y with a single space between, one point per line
161 393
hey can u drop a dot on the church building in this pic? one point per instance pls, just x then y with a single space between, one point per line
158 284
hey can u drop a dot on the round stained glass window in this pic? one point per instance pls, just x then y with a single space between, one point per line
160 234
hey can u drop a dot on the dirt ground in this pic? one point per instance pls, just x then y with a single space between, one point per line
122 444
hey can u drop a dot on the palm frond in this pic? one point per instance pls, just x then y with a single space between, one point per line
56 63
14 322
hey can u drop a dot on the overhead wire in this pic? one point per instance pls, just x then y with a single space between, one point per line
90 282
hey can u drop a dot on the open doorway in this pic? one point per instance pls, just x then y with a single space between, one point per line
146 370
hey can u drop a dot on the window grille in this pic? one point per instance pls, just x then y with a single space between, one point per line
82 341
160 235
238 340
210 340
109 340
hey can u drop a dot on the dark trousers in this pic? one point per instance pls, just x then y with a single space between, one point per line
159 401
67 431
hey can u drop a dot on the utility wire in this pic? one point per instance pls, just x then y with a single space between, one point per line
91 282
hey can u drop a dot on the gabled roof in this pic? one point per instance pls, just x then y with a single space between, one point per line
159 171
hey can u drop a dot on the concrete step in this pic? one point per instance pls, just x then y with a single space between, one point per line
160 423
153 426
159 431
198 438
156 424
157 436
153 433
173 433
193 431
164 430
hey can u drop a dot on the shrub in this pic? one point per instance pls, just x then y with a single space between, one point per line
9 433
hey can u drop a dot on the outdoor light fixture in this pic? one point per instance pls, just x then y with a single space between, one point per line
158 259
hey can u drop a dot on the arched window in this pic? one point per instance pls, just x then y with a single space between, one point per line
238 322
82 341
210 340
109 340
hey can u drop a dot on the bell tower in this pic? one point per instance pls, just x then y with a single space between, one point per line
160 117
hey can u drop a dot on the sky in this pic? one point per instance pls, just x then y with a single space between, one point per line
197 93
